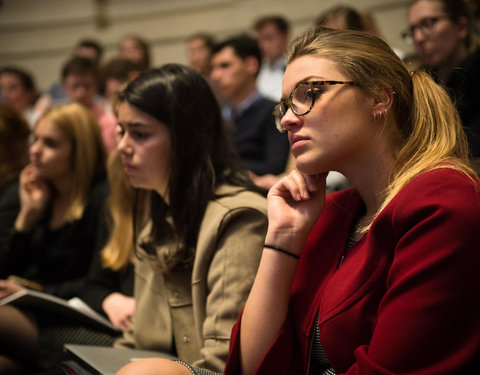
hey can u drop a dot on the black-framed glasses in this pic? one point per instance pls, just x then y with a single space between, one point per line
425 26
302 99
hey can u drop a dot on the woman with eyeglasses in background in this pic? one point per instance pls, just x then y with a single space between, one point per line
443 33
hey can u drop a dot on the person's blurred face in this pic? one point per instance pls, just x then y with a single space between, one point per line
80 88
231 74
131 50
436 37
14 93
199 56
336 23
88 53
144 145
112 85
272 42
50 152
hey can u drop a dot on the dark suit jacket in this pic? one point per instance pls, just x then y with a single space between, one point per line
261 147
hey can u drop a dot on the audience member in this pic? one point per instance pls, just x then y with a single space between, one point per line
114 74
198 231
341 17
367 271
17 89
90 49
137 49
87 48
199 52
273 35
236 63
60 224
442 32
14 134
80 81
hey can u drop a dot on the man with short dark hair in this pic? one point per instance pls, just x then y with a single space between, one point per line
236 63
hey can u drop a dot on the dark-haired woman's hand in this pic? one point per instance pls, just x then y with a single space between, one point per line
8 288
294 204
119 309
34 196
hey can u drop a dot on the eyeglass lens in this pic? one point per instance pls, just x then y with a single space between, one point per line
301 100
425 26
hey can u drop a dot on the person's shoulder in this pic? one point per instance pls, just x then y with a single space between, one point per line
443 179
443 189
264 103
229 197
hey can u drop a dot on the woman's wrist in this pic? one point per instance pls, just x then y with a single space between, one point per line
25 221
290 242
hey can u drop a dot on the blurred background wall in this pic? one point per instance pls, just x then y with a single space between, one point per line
39 35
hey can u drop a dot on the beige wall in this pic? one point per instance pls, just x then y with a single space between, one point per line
40 34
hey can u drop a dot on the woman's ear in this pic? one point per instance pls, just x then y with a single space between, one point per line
383 101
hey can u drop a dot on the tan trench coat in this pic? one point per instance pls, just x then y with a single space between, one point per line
194 309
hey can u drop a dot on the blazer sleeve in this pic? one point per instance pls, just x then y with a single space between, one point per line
229 279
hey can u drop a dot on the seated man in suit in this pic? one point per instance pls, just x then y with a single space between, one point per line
236 63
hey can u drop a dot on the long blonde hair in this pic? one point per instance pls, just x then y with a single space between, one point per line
88 158
127 207
428 133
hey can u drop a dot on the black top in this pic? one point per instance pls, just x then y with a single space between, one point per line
9 208
463 86
103 281
261 147
60 259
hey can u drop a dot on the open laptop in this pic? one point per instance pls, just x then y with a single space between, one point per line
106 360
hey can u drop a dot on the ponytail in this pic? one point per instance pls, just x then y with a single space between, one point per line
436 138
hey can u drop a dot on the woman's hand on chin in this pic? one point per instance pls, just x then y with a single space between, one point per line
294 204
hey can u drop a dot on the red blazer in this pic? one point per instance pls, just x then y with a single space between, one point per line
406 299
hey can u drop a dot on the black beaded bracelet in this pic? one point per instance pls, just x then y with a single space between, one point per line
279 249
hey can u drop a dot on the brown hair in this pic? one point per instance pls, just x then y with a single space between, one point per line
14 133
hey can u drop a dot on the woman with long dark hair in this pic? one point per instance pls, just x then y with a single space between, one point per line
197 222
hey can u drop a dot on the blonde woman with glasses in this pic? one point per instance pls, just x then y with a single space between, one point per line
377 279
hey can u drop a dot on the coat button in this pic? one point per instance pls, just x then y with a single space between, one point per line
185 339
176 294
